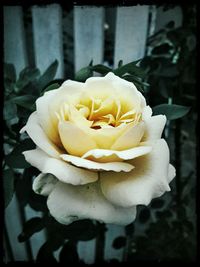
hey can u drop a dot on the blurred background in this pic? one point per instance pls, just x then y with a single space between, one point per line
51 43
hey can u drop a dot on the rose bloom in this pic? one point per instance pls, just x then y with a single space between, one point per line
99 150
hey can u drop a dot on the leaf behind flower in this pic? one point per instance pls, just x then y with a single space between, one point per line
171 111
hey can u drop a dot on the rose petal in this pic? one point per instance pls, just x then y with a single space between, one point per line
148 180
36 133
69 203
103 155
171 173
146 113
106 137
154 127
91 165
44 183
75 140
51 102
130 138
112 85
62 170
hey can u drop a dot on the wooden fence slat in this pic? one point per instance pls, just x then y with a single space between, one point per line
88 35
14 228
131 31
14 38
86 251
113 231
39 238
47 37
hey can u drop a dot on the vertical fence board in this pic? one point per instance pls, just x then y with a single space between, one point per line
47 37
14 38
86 251
14 228
131 31
113 232
88 35
39 238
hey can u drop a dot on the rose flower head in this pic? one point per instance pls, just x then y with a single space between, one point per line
99 150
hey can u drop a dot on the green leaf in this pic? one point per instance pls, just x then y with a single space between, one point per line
51 87
83 230
69 254
120 63
119 242
172 112
141 86
26 76
130 68
37 202
24 185
83 74
144 215
31 227
48 75
9 87
91 63
9 72
9 110
8 186
157 203
16 159
26 101
45 255
101 69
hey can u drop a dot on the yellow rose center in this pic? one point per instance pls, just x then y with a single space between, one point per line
99 113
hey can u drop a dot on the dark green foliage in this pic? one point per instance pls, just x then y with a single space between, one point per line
16 159
47 76
172 112
119 242
144 215
32 226
157 203
8 186
83 74
45 255
24 186
19 101
68 253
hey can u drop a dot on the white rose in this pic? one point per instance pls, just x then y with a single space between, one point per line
99 150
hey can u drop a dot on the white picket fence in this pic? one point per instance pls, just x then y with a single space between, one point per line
132 26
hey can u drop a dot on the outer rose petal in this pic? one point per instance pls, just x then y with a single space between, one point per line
50 102
104 155
148 180
42 108
171 173
154 127
68 203
39 137
44 183
146 113
91 165
75 140
62 170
